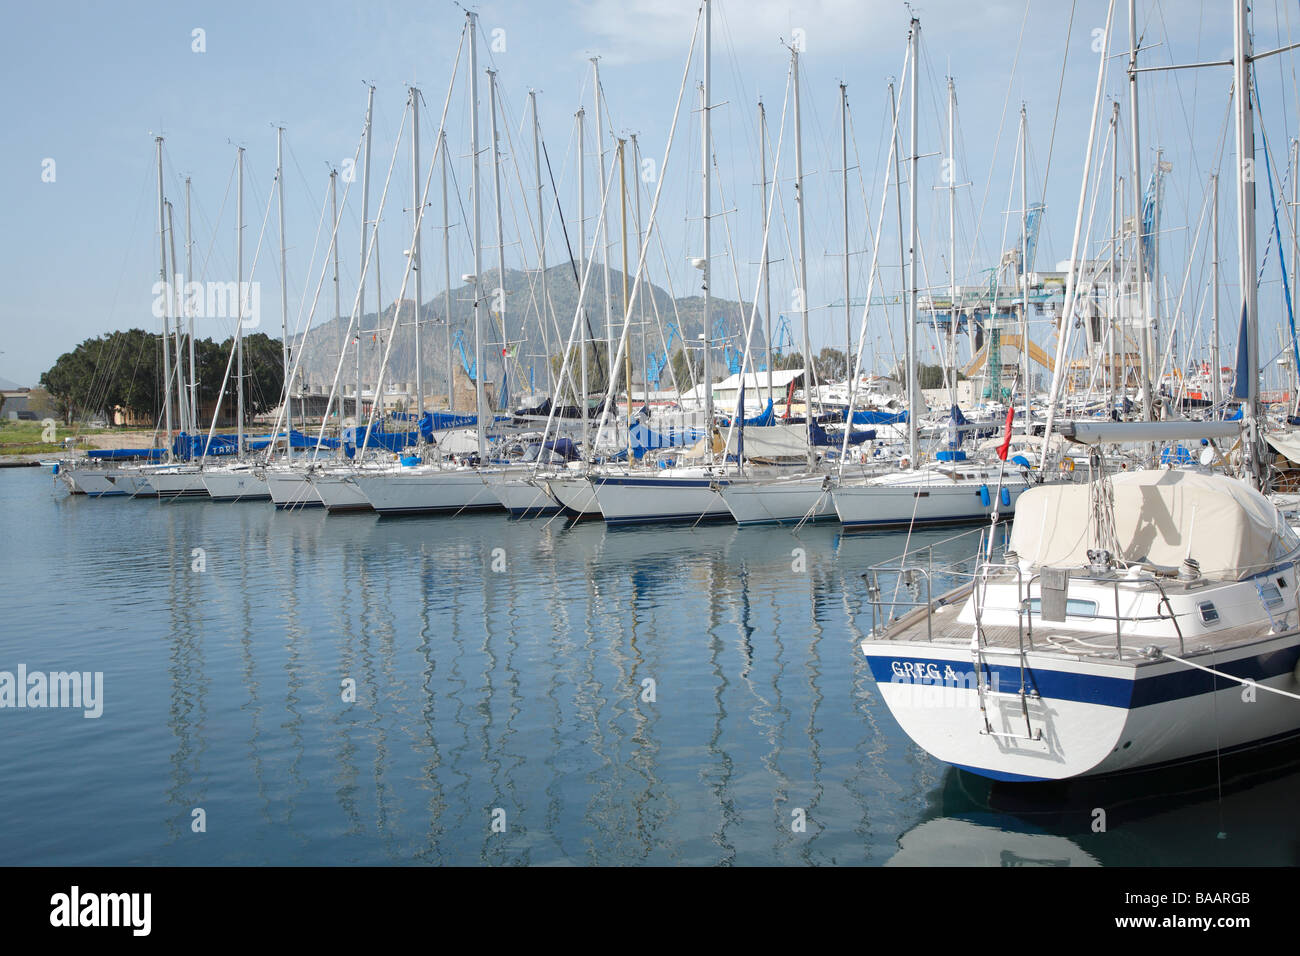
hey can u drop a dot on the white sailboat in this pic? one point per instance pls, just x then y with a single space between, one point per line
1139 620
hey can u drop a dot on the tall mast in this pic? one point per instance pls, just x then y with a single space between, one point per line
239 311
898 207
952 240
284 296
416 212
166 284
480 403
640 302
1295 250
844 172
446 264
706 92
189 277
334 243
1116 227
182 410
1214 298
803 257
1247 378
1139 265
365 225
627 353
582 246
767 281
1024 262
913 392
541 246
501 240
604 233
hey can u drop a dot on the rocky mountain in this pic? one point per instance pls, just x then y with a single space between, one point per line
522 330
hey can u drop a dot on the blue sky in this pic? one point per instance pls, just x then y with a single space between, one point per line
88 84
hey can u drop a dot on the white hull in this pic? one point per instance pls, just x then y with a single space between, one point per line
1094 717
920 498
575 495
780 500
340 493
428 491
659 499
519 495
243 484
187 483
289 488
94 483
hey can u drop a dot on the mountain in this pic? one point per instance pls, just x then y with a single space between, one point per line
522 293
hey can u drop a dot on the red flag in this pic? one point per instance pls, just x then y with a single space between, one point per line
1006 442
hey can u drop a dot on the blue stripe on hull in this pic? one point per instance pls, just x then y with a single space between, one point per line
295 505
455 510
1111 691
668 519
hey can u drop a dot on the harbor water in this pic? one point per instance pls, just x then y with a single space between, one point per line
294 688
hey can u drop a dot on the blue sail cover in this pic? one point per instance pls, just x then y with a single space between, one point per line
877 417
296 438
822 439
764 418
644 438
431 422
117 454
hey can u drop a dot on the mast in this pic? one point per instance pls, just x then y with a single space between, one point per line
898 207
417 209
803 258
1024 261
166 284
446 264
1116 230
913 392
501 241
1247 378
1139 265
334 242
1295 250
952 241
844 173
582 246
365 224
182 408
1214 299
239 316
284 297
541 245
189 277
640 242
627 353
706 92
604 233
479 402
767 280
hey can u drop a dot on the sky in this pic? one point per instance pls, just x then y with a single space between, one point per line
87 86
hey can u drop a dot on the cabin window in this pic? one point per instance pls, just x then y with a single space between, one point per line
1074 607
1271 596
1209 613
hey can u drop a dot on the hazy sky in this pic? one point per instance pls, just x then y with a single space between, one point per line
88 85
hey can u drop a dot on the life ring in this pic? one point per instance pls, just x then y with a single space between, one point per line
1067 464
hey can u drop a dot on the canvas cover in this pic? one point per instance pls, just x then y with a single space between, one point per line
1161 517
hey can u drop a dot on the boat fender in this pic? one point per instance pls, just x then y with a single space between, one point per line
1006 497
1067 464
55 470
985 498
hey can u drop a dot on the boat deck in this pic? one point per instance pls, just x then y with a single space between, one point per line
1051 637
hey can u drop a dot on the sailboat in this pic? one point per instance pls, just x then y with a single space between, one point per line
1138 620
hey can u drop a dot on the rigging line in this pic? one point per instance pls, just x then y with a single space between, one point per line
993 158
1060 87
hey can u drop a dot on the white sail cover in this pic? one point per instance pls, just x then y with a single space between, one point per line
1161 517
761 442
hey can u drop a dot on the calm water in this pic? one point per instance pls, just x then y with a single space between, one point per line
511 686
